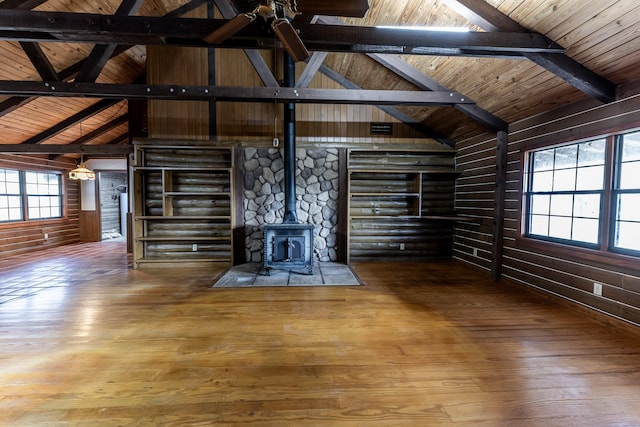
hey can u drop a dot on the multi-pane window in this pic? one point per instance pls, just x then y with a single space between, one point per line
26 195
565 190
626 194
10 196
586 194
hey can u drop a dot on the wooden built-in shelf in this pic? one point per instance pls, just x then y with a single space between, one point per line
183 210
397 203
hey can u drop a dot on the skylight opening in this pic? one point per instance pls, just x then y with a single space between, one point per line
427 28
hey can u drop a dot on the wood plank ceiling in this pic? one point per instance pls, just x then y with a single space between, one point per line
600 39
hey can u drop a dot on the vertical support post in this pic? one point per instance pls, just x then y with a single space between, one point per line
502 145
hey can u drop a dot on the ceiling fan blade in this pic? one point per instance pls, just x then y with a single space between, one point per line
230 28
290 39
348 8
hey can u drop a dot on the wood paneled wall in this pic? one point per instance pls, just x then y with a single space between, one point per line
19 238
570 277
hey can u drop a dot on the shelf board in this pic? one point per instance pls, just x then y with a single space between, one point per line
179 169
190 194
385 194
416 170
385 217
183 239
179 218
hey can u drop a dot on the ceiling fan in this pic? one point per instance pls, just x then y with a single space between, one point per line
281 13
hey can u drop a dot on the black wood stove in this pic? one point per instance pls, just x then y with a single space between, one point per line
289 245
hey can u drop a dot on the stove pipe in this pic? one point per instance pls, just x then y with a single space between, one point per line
290 214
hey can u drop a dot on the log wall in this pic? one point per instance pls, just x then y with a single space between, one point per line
569 275
23 237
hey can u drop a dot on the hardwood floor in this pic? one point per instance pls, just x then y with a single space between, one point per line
86 341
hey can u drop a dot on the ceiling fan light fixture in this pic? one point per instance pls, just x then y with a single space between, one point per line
290 39
230 28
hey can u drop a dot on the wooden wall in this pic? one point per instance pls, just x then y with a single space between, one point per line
19 238
568 276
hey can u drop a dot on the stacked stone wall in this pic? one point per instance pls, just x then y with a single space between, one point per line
317 192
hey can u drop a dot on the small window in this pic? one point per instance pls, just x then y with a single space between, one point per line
26 195
10 196
564 192
626 195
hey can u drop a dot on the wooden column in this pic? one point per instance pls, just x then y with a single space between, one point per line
499 203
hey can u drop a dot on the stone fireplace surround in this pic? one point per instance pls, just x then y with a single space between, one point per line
317 192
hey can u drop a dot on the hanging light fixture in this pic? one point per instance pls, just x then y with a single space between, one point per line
82 172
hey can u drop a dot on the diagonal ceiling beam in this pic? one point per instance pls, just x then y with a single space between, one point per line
489 18
123 118
424 82
258 62
70 121
313 65
40 61
392 111
101 53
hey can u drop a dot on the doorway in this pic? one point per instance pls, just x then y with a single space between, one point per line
113 204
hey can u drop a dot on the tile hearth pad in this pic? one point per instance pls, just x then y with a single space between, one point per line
253 275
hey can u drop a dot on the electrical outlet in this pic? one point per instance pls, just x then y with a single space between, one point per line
46 236
475 251
597 288
194 247
402 246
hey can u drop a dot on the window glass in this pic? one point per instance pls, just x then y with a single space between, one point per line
10 198
565 192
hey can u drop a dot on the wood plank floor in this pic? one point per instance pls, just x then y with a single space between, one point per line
86 341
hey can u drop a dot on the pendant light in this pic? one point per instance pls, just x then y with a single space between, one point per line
82 172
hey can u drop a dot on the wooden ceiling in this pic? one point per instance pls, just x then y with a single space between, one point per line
599 37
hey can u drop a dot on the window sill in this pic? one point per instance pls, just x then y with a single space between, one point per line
606 260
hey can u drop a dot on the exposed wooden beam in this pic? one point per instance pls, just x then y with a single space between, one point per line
120 139
15 102
424 82
489 18
96 28
261 67
105 149
40 61
21 4
70 121
231 93
123 118
392 111
313 65
101 53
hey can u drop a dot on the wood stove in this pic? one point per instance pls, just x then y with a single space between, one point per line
290 244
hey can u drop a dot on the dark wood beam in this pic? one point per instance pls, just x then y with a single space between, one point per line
124 118
15 102
258 62
489 18
424 82
95 28
21 4
231 93
71 121
120 139
40 61
392 111
101 53
105 149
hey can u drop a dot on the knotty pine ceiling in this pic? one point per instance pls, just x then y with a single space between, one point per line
601 35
